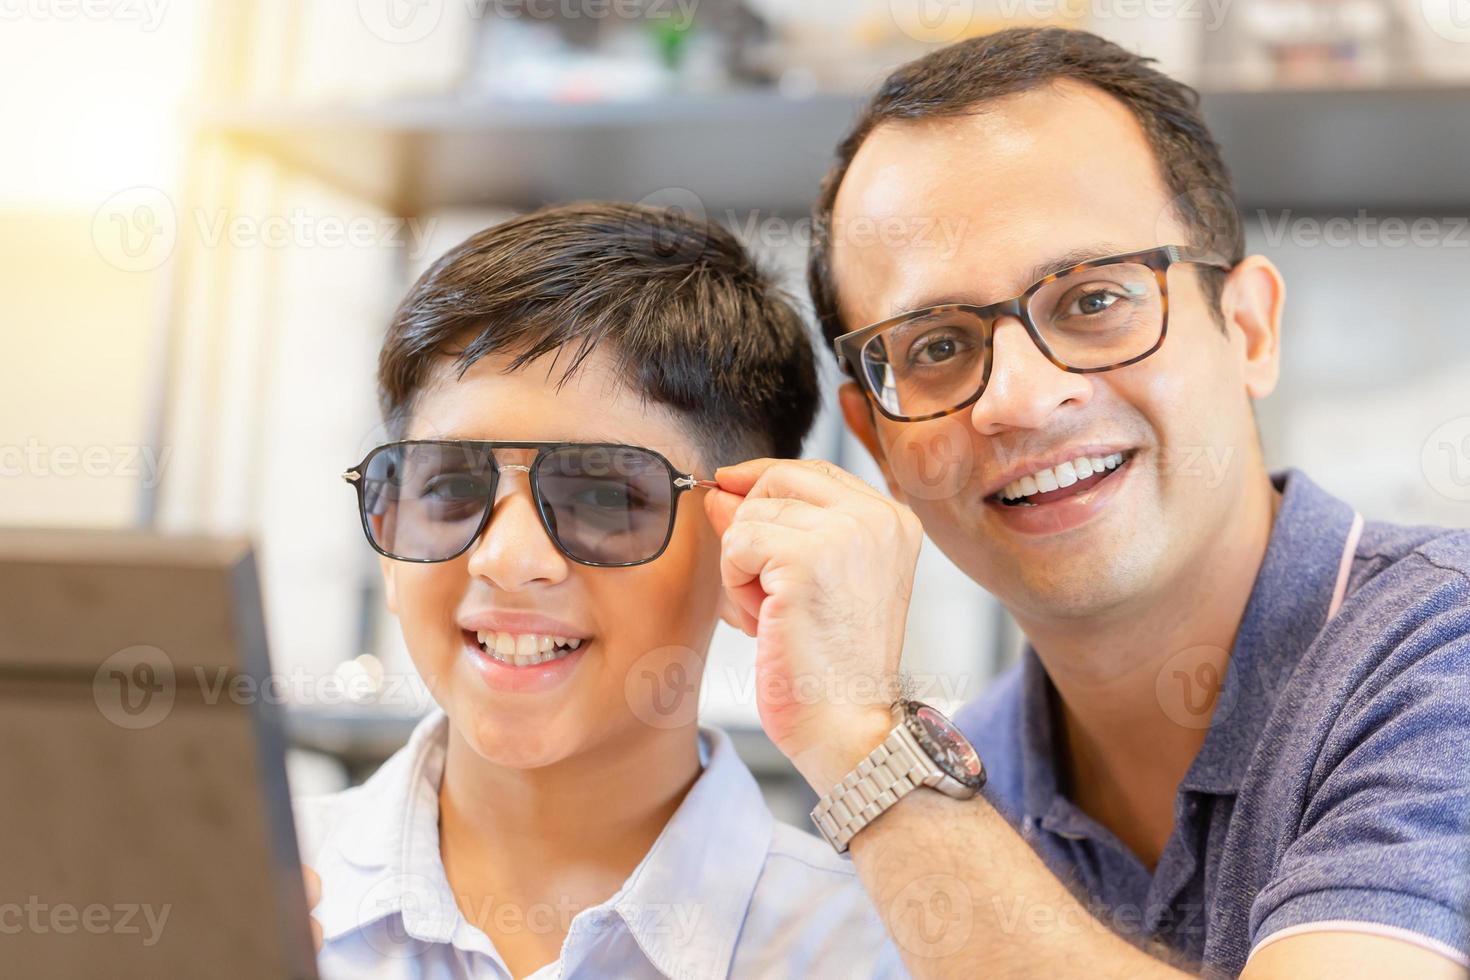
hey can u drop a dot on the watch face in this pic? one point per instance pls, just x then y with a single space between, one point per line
950 750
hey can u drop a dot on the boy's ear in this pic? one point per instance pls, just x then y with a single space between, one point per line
857 411
390 591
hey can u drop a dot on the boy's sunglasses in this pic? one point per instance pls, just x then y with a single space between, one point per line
602 504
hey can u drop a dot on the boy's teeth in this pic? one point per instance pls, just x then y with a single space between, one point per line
1061 475
525 649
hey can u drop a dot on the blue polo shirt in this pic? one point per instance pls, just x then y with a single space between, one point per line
1333 785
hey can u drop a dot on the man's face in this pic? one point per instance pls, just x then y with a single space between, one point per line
976 208
633 621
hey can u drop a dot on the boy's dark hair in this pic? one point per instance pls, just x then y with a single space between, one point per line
955 79
693 322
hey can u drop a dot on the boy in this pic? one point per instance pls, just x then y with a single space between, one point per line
556 817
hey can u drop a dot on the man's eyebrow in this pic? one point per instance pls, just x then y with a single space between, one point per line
1067 259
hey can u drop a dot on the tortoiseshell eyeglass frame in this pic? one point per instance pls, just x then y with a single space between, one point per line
849 346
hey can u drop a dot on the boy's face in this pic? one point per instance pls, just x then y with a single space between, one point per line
632 620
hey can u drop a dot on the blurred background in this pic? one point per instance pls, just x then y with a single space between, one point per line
208 210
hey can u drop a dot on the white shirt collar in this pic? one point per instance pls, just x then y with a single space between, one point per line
684 904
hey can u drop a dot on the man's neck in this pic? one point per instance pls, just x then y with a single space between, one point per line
1127 734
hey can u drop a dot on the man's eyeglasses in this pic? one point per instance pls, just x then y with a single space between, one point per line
1096 316
602 504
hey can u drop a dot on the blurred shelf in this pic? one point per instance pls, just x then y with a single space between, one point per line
1398 148
1402 147
738 150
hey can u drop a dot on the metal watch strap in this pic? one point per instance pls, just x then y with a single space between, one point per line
890 772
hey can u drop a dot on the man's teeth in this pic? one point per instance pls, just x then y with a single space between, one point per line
525 649
1059 476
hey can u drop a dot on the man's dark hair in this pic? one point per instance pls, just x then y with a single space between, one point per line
693 323
956 79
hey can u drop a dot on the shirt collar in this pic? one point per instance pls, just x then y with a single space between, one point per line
684 904
1286 610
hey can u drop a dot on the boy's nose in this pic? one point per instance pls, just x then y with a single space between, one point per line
514 550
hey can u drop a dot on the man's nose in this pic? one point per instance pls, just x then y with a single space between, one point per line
1025 388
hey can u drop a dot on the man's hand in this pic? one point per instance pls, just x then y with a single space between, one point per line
821 566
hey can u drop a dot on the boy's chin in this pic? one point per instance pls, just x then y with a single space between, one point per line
521 742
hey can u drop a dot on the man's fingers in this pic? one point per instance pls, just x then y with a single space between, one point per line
747 599
815 480
749 549
740 477
313 896
719 507
787 511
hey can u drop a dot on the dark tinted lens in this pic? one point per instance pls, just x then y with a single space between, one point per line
425 501
610 505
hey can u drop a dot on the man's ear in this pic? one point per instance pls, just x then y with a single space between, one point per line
858 412
1251 303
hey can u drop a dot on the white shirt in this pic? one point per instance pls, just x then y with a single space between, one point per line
725 891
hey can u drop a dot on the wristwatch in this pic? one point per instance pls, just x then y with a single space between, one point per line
924 749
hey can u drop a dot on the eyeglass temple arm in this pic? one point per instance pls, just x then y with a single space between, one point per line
1186 253
691 482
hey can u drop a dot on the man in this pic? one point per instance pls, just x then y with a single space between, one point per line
1235 742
